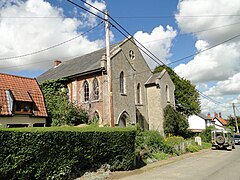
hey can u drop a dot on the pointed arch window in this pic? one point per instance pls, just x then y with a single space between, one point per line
86 91
122 83
138 93
95 89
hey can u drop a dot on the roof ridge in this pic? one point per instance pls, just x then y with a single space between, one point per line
23 77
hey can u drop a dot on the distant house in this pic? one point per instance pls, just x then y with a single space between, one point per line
199 122
218 121
21 101
138 95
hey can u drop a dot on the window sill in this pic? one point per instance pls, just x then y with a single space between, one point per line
93 101
123 94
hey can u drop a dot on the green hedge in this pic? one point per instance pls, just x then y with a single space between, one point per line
62 153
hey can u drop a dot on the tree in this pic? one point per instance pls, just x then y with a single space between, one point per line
187 98
175 123
232 123
60 110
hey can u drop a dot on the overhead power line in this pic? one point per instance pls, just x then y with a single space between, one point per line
205 96
142 46
197 32
180 16
223 42
127 17
209 98
51 47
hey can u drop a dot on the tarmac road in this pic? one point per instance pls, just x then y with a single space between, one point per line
208 165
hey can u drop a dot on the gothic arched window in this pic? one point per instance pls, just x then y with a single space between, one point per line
95 89
86 91
122 83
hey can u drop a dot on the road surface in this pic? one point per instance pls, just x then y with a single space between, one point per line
209 165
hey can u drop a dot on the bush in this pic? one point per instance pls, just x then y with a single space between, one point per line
174 123
177 143
206 134
149 144
193 147
61 153
174 140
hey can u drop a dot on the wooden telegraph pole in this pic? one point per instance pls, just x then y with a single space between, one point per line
235 117
109 73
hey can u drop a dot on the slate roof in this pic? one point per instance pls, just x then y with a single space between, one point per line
22 89
78 66
204 116
154 77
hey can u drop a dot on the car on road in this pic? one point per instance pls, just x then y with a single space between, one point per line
236 138
222 139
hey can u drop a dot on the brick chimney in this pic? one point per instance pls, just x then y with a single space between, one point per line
215 114
209 115
220 114
57 62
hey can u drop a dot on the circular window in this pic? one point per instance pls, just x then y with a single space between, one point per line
131 54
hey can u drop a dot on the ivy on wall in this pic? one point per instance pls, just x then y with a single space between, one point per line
60 110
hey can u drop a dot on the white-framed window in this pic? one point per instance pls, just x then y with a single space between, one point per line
122 83
95 89
85 91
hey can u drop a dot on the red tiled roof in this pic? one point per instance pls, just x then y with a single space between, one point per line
22 89
3 103
221 120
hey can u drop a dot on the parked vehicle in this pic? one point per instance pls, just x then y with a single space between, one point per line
236 138
222 139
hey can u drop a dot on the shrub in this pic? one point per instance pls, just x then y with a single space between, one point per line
206 134
61 153
160 155
177 143
174 140
174 123
193 147
149 144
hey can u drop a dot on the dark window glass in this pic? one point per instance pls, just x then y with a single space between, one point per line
86 91
18 106
138 93
122 83
95 89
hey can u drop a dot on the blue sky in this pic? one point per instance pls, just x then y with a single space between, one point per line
167 28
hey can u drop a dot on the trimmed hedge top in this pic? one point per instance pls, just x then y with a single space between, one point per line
63 152
69 128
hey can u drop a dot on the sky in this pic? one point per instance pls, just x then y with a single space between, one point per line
198 39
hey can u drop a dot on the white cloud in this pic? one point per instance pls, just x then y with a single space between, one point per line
159 42
221 62
215 22
25 35
213 65
227 87
205 14
90 18
210 107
